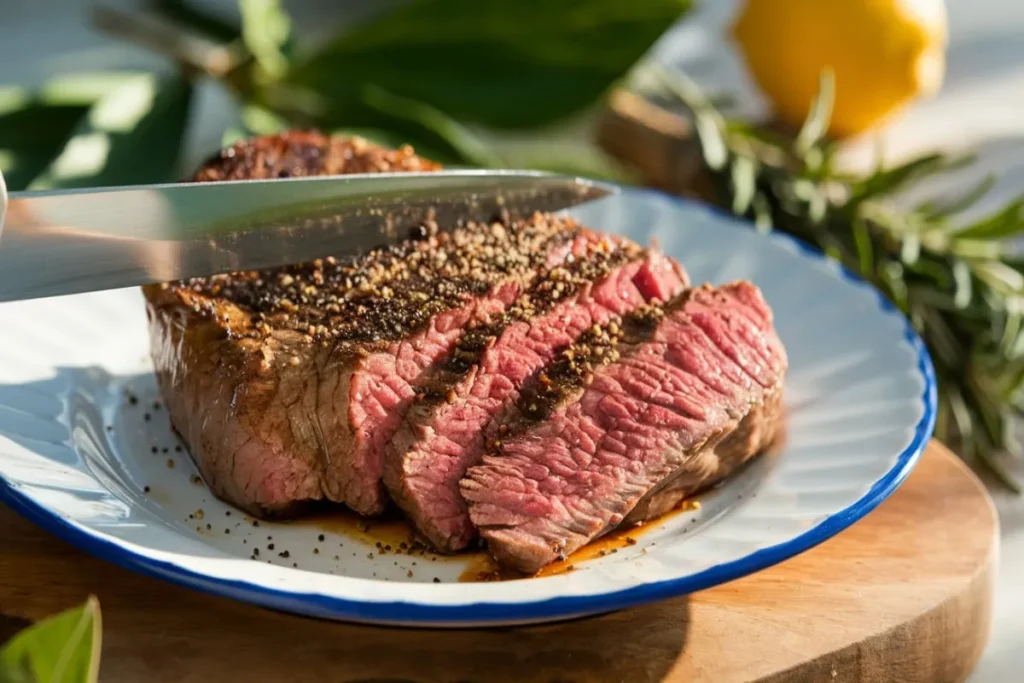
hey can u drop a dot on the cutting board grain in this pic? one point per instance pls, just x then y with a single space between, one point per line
904 595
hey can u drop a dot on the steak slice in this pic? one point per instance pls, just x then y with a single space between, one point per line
759 431
286 383
447 432
679 387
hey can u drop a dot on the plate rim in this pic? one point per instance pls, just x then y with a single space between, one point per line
408 613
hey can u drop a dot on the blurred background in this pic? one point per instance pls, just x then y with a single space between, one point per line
977 106
843 122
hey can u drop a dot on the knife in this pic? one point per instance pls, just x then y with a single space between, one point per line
70 241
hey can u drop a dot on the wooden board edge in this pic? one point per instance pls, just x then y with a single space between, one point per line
960 627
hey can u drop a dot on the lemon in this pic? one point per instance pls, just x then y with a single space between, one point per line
884 54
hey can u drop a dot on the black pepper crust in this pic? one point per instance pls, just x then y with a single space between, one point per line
574 367
554 285
388 293
381 296
601 255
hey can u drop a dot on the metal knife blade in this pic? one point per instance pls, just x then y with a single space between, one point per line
65 242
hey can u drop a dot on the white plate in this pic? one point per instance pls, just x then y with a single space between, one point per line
76 456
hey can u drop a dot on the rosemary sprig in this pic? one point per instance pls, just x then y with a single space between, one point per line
955 279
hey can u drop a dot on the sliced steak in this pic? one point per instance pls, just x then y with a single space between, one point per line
285 384
681 382
447 431
758 431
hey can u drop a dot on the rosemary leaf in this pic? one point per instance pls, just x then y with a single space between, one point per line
888 182
865 250
935 208
962 277
1004 223
744 180
813 130
959 285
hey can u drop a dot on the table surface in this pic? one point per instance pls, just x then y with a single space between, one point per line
978 108
906 591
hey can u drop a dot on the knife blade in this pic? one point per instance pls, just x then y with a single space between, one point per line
72 241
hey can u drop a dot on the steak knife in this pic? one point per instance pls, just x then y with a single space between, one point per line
70 241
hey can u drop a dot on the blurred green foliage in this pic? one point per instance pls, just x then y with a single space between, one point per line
64 648
450 77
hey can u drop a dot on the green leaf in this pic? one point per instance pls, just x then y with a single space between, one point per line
762 213
1013 381
254 120
1006 222
232 135
34 124
30 137
569 150
267 33
747 130
1000 276
390 120
962 290
818 117
64 648
1011 331
188 14
84 88
744 183
968 248
461 140
259 121
499 63
1016 262
910 250
865 251
938 271
132 135
962 278
1009 436
712 143
939 208
709 125
888 181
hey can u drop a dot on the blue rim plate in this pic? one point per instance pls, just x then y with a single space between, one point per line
86 456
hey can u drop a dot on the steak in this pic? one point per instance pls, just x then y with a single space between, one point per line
629 419
529 381
440 439
759 430
287 383
298 153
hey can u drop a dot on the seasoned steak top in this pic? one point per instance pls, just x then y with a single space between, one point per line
388 293
573 368
599 255
295 154
384 295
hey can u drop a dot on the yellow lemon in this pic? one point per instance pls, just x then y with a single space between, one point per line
884 54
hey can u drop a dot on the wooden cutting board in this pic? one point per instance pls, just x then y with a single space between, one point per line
904 595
